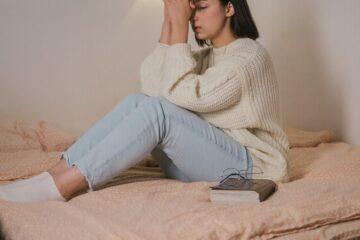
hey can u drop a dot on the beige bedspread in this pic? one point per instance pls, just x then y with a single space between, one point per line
320 202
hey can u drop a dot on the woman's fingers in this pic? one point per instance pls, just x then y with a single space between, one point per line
178 10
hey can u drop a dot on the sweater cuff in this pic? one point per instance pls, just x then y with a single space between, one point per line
162 45
179 59
179 49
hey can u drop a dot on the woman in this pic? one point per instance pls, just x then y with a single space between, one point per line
200 112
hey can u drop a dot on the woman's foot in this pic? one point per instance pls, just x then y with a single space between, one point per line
34 189
59 183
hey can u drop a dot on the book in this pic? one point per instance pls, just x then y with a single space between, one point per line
235 190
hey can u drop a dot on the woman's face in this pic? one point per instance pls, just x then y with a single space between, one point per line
208 19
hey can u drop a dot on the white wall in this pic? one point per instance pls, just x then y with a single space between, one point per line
315 49
69 62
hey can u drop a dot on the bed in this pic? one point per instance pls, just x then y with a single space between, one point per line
322 200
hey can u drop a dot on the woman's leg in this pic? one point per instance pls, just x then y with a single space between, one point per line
63 172
168 166
96 133
99 130
198 150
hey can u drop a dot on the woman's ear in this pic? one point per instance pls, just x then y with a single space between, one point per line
229 10
192 4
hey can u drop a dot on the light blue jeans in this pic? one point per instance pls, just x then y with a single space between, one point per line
186 147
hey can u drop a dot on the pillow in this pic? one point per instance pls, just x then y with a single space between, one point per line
303 138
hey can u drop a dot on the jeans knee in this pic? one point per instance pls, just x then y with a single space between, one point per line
135 97
155 105
132 99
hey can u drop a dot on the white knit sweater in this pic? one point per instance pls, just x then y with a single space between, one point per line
233 87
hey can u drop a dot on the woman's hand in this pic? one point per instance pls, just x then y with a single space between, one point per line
179 11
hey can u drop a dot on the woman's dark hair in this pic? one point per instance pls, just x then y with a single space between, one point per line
241 23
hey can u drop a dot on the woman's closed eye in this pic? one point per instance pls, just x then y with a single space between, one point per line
200 8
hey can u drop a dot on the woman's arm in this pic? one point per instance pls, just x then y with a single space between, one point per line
179 13
151 69
217 88
179 33
174 30
165 36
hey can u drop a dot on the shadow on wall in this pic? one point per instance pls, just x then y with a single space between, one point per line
307 85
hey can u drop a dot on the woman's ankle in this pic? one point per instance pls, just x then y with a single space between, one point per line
59 168
70 182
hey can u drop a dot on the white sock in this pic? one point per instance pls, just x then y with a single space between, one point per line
34 189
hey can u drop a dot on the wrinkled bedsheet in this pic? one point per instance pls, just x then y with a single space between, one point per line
320 202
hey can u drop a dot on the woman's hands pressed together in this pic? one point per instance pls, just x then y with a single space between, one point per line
177 14
178 11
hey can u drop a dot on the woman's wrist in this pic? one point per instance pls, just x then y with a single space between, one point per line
179 32
165 37
167 21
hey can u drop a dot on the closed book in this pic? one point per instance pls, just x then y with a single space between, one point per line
234 190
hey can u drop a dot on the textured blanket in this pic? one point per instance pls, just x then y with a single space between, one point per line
320 202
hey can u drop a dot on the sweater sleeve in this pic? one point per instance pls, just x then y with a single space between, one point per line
217 88
151 70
